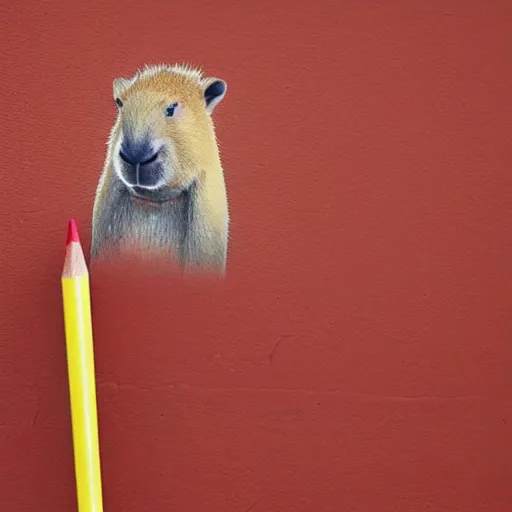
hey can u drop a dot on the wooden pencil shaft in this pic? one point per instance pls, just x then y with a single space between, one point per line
82 388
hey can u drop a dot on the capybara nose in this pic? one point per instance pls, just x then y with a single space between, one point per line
142 160
140 167
134 154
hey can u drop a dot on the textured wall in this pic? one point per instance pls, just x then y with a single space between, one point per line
358 357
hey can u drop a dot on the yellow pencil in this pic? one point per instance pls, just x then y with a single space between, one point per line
82 387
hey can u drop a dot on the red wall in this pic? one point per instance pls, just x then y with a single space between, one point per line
358 356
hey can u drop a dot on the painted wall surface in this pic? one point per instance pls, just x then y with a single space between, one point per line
357 357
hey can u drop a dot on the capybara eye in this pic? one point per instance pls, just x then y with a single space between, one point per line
169 111
119 103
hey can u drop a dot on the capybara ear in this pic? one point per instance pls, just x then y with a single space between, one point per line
119 85
214 92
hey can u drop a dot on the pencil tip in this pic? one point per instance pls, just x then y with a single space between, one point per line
72 232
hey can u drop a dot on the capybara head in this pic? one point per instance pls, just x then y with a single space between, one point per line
164 136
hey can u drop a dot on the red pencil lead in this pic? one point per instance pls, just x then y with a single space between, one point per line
72 232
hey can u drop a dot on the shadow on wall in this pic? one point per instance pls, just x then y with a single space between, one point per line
161 195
